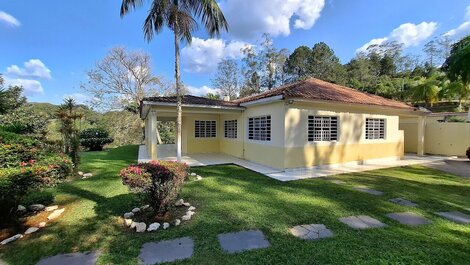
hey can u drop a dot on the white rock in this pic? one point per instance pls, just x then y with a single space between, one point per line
198 177
11 239
179 202
187 204
87 175
128 215
55 214
177 222
80 173
31 230
145 207
128 222
186 217
190 213
153 227
36 207
191 208
21 208
193 174
51 208
136 210
140 227
133 224
166 225
42 224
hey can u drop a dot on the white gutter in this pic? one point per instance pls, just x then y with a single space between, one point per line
191 105
262 101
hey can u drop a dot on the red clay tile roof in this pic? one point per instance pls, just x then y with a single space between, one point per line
315 89
193 100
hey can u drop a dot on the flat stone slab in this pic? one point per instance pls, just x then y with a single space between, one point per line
311 231
409 218
337 181
166 251
81 258
243 241
403 202
455 216
367 190
361 222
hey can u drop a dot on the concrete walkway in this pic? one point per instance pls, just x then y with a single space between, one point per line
167 152
456 166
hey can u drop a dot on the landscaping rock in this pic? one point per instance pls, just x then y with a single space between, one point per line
86 258
455 216
11 239
135 210
177 222
190 213
133 224
51 208
193 174
36 207
409 218
166 251
42 224
128 222
80 173
242 241
362 222
186 217
140 227
21 208
191 208
87 175
311 231
403 202
369 191
187 204
31 230
166 225
198 177
153 227
179 202
128 215
145 207
337 181
55 214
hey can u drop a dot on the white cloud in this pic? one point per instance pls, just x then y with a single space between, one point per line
408 34
78 97
463 29
32 68
249 19
202 56
9 20
201 91
30 87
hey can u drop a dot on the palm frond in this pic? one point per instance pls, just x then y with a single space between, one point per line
128 5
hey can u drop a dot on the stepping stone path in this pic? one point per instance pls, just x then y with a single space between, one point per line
362 222
242 241
409 218
337 181
166 251
85 258
367 190
311 231
457 217
403 202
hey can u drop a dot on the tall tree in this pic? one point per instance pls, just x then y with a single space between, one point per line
122 79
324 63
227 78
250 70
179 16
431 49
457 65
298 63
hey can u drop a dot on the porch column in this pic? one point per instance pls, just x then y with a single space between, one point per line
421 132
152 136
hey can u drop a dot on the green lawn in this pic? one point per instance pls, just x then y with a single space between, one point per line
231 198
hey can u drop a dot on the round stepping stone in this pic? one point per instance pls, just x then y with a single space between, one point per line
166 251
455 216
361 222
409 218
311 231
242 241
403 202
369 191
85 258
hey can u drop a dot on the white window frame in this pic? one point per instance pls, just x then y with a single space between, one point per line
230 129
375 129
326 127
256 131
207 129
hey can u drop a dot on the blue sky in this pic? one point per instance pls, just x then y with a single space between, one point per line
48 45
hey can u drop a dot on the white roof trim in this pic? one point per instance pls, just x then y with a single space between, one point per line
262 101
152 103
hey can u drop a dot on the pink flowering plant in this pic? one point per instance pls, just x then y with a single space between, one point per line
159 182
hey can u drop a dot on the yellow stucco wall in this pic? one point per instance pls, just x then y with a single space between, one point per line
351 145
232 146
200 145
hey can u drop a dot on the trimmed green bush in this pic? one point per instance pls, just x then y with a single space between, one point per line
158 181
15 148
95 139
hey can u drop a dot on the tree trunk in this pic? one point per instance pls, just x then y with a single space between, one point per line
178 93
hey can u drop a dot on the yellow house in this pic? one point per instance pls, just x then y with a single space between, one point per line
303 124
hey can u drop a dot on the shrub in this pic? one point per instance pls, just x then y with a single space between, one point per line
15 148
39 196
468 153
95 139
158 181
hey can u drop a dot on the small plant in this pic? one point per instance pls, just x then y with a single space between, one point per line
468 153
95 139
158 181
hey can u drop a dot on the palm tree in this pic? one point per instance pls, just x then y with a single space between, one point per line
427 90
179 16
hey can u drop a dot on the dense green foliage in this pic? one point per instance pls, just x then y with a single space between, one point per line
69 118
457 65
95 138
158 182
231 199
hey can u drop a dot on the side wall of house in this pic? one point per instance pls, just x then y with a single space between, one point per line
351 145
191 144
232 146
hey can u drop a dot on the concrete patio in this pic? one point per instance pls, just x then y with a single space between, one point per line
168 152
